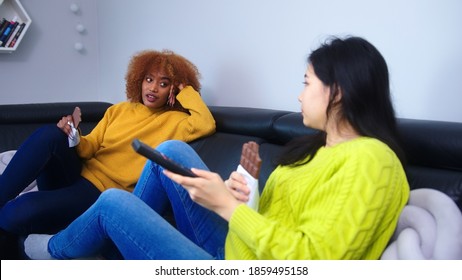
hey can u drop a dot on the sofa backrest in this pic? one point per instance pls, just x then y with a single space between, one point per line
18 121
434 153
236 126
433 148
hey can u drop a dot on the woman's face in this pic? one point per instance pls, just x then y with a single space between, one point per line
314 100
155 89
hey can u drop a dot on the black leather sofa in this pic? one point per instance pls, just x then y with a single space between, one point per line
433 148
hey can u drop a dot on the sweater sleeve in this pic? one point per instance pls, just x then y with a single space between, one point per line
351 215
90 143
200 121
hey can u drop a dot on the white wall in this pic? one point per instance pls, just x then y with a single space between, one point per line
45 67
250 53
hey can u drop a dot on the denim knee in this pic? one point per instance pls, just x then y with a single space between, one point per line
176 149
171 145
112 196
50 129
49 134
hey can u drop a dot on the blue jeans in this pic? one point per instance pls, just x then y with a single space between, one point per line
134 222
63 194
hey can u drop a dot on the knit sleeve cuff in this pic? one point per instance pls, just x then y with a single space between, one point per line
245 222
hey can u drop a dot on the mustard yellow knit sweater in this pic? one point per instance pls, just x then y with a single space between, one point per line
344 204
111 162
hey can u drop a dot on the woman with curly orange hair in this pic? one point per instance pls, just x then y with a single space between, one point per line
163 102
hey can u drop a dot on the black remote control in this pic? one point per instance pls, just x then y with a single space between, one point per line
161 159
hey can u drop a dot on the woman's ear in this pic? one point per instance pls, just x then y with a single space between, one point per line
338 94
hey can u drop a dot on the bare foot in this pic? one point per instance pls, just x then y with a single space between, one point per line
250 159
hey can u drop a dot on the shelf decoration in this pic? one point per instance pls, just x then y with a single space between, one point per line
14 23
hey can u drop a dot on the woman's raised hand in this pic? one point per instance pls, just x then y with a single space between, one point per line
65 124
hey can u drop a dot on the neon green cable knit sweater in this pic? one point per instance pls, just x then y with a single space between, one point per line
344 204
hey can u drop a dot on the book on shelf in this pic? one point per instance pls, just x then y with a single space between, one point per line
3 25
5 33
11 35
10 30
17 34
8 33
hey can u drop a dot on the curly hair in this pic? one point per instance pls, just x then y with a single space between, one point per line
178 69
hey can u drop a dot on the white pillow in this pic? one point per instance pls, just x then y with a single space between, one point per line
429 227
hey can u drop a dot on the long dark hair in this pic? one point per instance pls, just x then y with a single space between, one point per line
356 68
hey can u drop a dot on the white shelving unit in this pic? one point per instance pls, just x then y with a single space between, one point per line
11 9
